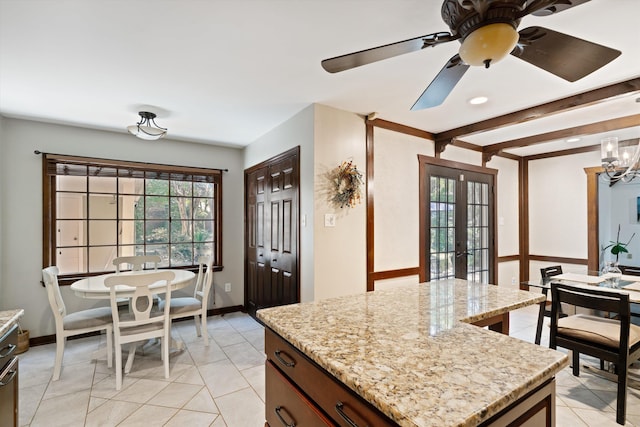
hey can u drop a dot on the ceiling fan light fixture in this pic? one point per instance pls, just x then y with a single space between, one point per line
488 44
147 128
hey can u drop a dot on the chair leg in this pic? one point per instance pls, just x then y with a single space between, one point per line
109 347
166 342
576 363
205 332
196 320
622 395
57 367
132 353
118 365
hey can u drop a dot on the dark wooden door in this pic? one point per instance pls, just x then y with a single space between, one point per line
271 236
458 211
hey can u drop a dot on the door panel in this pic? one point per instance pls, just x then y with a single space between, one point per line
276 226
458 208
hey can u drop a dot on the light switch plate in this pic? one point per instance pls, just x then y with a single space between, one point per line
329 220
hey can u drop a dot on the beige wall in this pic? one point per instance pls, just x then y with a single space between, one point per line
340 251
397 201
297 131
558 209
21 213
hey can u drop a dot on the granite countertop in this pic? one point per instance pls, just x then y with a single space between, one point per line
9 318
411 353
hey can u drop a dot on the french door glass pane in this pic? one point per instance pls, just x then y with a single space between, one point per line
442 215
477 231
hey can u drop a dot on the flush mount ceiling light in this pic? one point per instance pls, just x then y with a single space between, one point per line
478 100
147 128
574 139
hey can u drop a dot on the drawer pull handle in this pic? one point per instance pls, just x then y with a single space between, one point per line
9 378
344 416
7 350
282 420
284 362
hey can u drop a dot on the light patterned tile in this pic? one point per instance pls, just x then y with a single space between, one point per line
598 418
566 417
242 408
255 377
202 402
175 395
148 415
73 379
244 355
95 402
110 413
190 376
65 410
222 377
191 418
141 391
29 399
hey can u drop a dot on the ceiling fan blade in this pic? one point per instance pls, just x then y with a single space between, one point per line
367 56
442 85
560 54
547 7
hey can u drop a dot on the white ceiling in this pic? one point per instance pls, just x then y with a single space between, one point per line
228 71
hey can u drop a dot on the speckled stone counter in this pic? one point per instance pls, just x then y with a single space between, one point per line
411 353
9 318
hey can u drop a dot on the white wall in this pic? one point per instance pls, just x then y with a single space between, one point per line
618 206
296 131
558 209
340 252
397 198
21 195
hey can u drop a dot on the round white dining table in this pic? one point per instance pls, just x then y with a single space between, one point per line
93 287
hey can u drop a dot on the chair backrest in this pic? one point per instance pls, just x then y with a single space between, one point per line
594 298
204 280
142 299
137 262
630 270
50 279
551 271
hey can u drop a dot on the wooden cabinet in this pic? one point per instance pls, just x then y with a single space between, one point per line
340 404
9 379
301 393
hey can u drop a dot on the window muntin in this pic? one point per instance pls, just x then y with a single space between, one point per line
97 210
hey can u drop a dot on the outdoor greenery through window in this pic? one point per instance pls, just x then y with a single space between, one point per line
96 210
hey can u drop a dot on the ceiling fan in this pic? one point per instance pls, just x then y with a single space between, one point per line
487 31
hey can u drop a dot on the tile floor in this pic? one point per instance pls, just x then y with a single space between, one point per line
223 385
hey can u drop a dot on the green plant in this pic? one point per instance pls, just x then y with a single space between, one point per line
617 247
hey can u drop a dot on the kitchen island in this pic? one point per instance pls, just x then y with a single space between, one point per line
9 366
409 356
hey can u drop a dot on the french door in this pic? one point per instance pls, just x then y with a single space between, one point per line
457 217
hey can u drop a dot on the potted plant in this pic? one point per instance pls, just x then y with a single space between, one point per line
618 247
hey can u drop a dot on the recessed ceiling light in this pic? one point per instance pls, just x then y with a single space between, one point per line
478 100
573 139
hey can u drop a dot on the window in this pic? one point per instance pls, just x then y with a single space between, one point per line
96 210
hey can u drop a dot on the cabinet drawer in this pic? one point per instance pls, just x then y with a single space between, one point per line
8 346
286 406
340 403
9 394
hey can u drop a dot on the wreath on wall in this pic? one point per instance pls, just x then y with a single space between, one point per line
346 180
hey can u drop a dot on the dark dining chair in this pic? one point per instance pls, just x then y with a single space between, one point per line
546 274
615 340
629 270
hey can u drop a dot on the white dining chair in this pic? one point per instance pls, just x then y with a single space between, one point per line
136 262
196 306
141 323
71 324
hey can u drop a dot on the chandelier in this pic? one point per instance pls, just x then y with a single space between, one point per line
620 164
147 128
